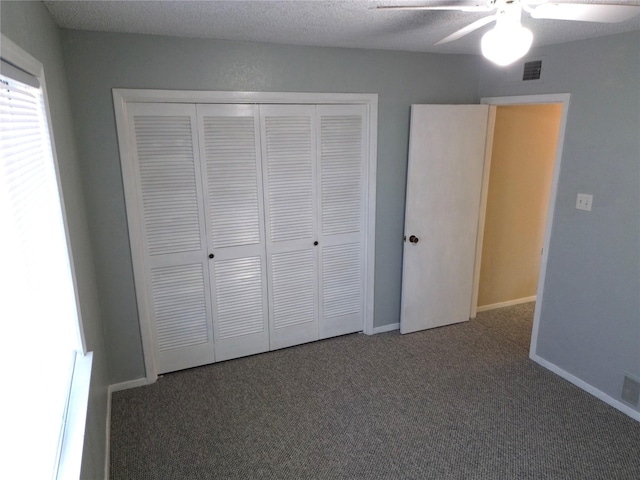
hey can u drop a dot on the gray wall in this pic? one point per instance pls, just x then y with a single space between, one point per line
98 62
590 322
29 25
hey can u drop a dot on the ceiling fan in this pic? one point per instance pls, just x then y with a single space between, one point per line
509 40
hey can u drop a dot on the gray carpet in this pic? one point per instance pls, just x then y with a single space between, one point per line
458 402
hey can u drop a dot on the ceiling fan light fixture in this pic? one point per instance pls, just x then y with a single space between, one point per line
506 43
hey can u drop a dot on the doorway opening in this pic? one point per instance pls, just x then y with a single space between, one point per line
522 164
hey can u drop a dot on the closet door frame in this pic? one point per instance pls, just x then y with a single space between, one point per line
123 97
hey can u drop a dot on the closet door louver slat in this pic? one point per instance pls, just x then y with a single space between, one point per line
232 180
180 306
341 174
239 292
290 177
341 273
168 184
293 288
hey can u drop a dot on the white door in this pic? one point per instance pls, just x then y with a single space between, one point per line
233 204
342 141
446 157
291 206
169 214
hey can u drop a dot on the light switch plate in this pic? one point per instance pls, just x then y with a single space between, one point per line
583 202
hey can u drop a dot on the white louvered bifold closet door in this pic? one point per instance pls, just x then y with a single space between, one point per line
232 179
289 152
169 197
342 139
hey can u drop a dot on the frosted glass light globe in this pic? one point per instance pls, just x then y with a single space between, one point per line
504 44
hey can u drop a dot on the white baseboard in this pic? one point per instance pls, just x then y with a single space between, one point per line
618 405
116 387
107 443
386 328
138 382
508 303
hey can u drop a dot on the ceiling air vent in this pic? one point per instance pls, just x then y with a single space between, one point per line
532 70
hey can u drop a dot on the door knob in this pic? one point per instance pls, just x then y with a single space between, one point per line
413 239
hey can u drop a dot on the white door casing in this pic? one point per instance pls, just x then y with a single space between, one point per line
446 156
341 265
564 99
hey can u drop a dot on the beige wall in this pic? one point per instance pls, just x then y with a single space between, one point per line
524 148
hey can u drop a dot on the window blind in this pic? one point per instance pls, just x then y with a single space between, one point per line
39 325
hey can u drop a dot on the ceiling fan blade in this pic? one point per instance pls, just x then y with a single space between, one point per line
468 29
583 12
479 7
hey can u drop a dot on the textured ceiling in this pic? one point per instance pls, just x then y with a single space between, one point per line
331 23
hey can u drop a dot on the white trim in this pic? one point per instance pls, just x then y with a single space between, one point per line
127 95
508 303
138 382
562 98
482 214
386 328
107 442
121 97
370 219
599 394
18 57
